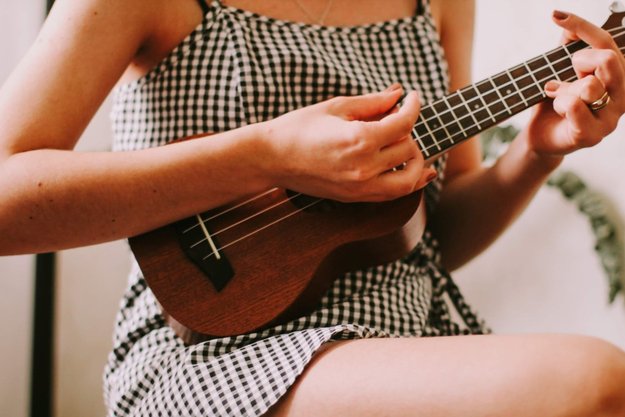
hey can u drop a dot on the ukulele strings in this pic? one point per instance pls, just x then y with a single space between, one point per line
229 209
318 200
512 83
435 130
501 100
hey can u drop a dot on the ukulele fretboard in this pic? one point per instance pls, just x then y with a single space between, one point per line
477 107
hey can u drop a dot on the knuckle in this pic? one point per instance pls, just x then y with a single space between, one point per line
605 38
407 125
610 58
359 175
588 88
583 138
359 140
577 107
337 102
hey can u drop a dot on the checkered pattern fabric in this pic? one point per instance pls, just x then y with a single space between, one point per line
238 68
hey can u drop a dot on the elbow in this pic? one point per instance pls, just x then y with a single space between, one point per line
14 206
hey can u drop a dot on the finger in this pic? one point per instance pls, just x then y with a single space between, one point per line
588 89
577 28
396 154
429 175
396 125
367 106
605 65
395 184
583 128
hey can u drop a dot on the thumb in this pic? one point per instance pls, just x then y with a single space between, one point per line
370 106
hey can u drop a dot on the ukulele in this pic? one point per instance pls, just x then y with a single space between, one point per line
269 258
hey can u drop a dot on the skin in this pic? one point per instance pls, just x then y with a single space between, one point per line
54 198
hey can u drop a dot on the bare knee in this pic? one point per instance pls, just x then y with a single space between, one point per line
609 376
593 371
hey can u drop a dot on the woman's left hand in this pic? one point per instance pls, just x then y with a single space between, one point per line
568 123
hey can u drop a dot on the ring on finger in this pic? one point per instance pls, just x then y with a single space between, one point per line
601 103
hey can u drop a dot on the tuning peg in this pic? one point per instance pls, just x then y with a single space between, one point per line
617 7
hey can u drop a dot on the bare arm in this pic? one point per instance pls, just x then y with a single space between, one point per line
55 198
478 204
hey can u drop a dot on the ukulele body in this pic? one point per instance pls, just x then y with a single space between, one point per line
281 271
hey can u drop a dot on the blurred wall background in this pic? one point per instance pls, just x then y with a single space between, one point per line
19 22
542 276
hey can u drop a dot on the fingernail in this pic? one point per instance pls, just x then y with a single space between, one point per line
431 177
552 86
559 15
394 87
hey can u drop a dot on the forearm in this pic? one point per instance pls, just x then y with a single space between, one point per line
54 199
476 207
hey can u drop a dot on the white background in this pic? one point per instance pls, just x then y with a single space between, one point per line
542 276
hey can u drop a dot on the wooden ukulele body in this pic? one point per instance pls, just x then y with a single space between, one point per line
281 271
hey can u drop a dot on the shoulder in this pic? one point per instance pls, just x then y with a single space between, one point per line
80 53
455 22
151 28
453 17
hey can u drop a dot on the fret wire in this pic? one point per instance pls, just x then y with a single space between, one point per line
502 113
535 80
453 113
503 101
504 85
427 126
553 70
479 94
443 126
517 87
468 108
568 53
421 144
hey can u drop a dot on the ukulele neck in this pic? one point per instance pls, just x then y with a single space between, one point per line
456 117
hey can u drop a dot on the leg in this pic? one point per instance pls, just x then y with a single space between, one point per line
511 376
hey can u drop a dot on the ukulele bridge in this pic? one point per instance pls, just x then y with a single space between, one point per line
202 248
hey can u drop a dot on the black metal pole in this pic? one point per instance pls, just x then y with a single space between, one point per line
42 363
42 371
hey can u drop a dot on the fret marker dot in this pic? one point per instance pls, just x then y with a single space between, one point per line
508 91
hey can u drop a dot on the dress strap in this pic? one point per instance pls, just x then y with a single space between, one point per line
422 6
204 5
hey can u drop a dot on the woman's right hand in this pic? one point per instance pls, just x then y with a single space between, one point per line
346 148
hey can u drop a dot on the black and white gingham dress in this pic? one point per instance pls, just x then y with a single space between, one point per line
238 68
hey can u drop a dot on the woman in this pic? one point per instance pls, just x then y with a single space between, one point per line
188 67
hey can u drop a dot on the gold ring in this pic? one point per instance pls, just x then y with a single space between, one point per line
601 103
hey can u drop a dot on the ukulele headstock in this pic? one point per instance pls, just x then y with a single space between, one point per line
615 24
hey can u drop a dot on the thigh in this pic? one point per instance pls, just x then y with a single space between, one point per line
534 375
